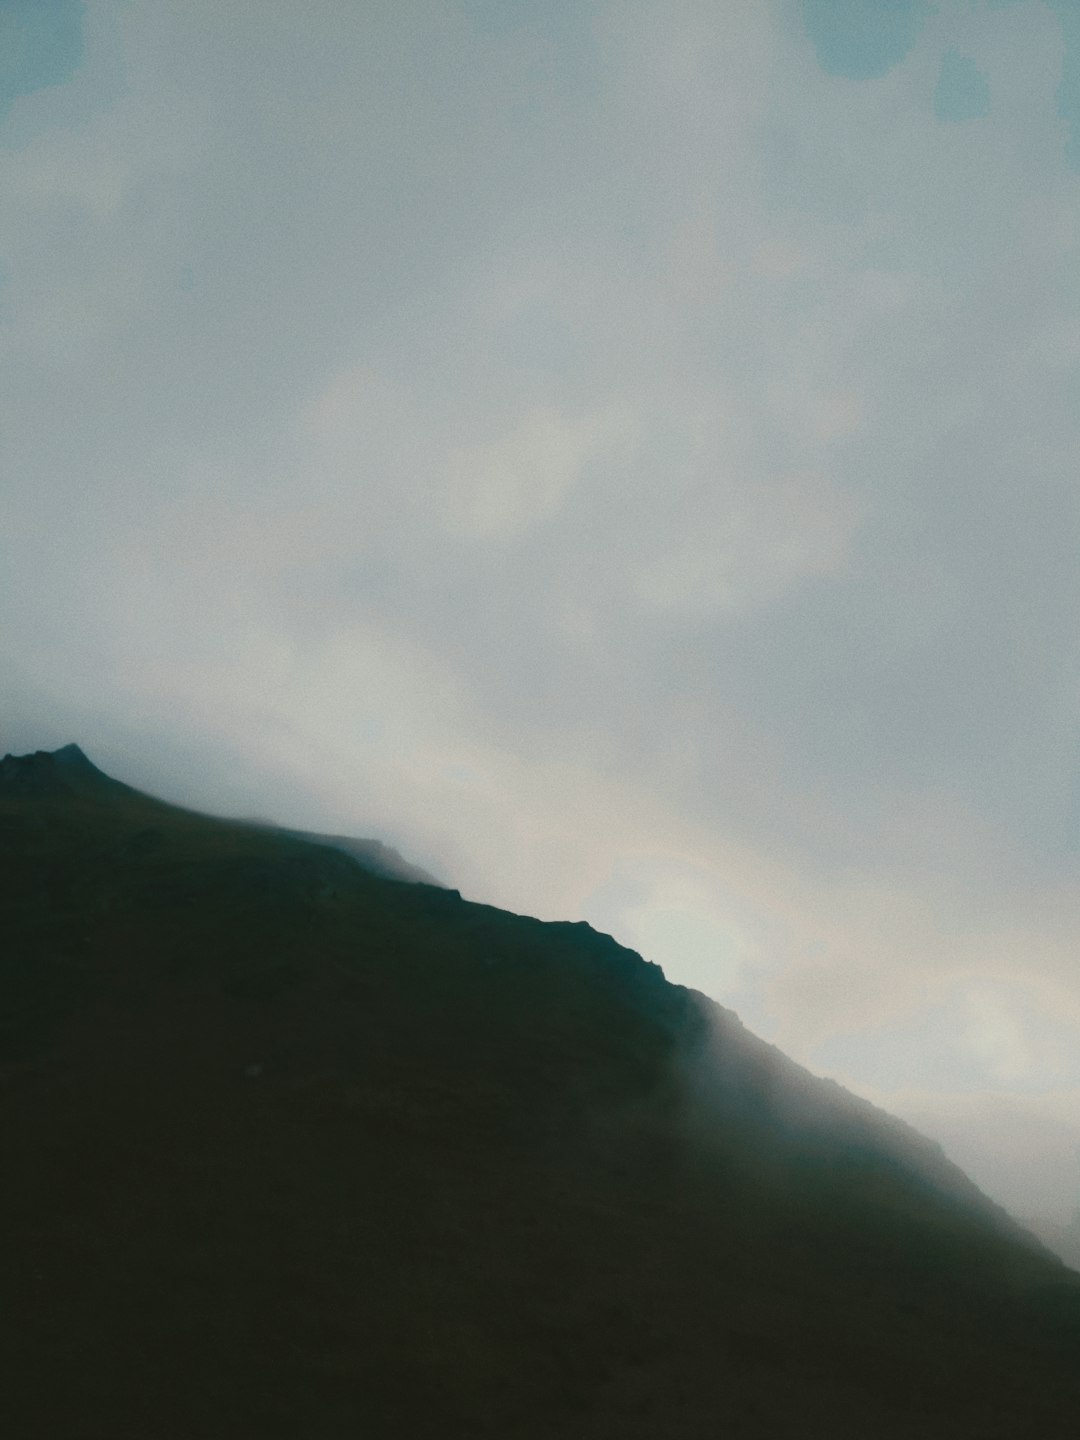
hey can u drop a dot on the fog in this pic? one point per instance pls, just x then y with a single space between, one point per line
622 456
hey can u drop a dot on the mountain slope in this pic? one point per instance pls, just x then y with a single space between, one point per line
293 1149
1063 1240
371 855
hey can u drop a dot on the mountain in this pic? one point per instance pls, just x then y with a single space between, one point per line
65 772
293 1149
1063 1240
68 773
371 855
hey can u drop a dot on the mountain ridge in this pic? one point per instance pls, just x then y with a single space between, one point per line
68 772
363 1155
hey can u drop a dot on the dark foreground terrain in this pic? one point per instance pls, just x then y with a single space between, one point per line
292 1149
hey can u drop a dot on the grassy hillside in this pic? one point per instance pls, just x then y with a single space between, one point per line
296 1150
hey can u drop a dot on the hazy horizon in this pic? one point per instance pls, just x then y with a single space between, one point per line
621 456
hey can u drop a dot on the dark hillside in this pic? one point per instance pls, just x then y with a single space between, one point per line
373 855
292 1149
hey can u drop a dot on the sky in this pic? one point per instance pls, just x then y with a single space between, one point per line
622 452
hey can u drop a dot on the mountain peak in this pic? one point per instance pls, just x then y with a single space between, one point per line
72 758
48 772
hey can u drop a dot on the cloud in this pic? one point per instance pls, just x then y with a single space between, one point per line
524 475
983 1035
752 546
606 451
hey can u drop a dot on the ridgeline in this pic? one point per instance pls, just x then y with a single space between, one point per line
302 1148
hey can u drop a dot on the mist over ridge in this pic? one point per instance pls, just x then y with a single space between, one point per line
356 1151
621 457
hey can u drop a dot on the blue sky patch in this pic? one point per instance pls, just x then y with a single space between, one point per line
40 44
862 39
963 92
1068 97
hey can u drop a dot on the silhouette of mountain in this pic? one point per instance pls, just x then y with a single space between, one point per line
295 1149
67 772
373 855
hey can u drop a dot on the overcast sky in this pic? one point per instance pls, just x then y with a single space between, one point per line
625 454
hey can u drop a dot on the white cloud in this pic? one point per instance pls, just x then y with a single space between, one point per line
520 478
751 544
674 440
